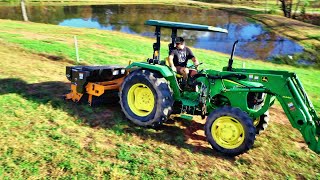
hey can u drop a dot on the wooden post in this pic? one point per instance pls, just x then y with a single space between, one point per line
76 47
24 11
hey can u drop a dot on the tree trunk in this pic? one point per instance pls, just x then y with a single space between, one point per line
24 11
286 6
295 11
283 7
289 8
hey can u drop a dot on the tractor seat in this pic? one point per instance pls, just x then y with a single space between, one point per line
167 64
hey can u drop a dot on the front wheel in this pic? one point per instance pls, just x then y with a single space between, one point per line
230 131
146 98
261 123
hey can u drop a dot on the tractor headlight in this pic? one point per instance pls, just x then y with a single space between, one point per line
115 72
123 71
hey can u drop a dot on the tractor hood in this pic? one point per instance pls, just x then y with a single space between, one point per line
187 26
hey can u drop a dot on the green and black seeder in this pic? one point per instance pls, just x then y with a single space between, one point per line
234 102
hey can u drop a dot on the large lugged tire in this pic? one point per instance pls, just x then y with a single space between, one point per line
230 131
146 98
261 123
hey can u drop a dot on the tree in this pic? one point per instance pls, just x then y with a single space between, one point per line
286 6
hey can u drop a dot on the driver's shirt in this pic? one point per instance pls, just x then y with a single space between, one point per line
181 56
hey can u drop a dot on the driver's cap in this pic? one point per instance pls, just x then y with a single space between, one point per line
179 40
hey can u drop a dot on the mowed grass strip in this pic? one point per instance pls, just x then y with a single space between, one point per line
41 135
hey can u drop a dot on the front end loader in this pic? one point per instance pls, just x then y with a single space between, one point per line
234 102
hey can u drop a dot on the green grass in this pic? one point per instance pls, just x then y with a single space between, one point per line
42 136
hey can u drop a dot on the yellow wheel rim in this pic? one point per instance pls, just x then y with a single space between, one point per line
256 121
140 99
228 132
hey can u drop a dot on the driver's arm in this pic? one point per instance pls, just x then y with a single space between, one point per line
195 61
192 57
171 63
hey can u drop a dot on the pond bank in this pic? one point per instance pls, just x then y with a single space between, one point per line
307 35
255 41
304 34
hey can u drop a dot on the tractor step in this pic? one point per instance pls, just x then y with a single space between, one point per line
186 117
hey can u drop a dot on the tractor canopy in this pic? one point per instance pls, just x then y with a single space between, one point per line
187 26
174 26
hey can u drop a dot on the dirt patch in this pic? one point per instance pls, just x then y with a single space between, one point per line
102 119
195 136
52 57
301 145
277 115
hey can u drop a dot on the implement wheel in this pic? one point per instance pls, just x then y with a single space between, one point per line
261 123
146 98
230 131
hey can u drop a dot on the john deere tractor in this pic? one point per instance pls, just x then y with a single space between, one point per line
234 102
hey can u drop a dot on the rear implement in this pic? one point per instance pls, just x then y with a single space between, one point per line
93 81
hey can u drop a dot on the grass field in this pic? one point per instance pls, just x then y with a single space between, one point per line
41 135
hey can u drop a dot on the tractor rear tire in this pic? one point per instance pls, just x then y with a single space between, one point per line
146 98
262 122
230 131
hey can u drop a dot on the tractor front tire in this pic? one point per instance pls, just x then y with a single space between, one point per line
230 131
146 98
261 123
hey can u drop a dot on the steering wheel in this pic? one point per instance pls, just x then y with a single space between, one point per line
194 66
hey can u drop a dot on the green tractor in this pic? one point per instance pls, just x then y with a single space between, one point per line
234 102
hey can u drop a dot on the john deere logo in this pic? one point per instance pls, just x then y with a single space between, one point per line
264 79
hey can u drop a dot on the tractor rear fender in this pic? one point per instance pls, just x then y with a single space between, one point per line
164 70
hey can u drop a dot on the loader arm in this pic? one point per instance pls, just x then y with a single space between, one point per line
301 112
294 100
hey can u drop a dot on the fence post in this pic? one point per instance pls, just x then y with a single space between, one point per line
76 47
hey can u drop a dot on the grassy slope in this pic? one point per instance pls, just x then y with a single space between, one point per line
41 135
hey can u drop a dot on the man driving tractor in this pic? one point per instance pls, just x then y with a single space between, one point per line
179 57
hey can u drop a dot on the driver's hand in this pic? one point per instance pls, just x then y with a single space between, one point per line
174 68
196 64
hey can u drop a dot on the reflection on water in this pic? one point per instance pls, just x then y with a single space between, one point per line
254 40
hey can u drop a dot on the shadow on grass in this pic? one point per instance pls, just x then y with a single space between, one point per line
108 115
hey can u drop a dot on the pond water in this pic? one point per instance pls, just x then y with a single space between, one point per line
254 40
